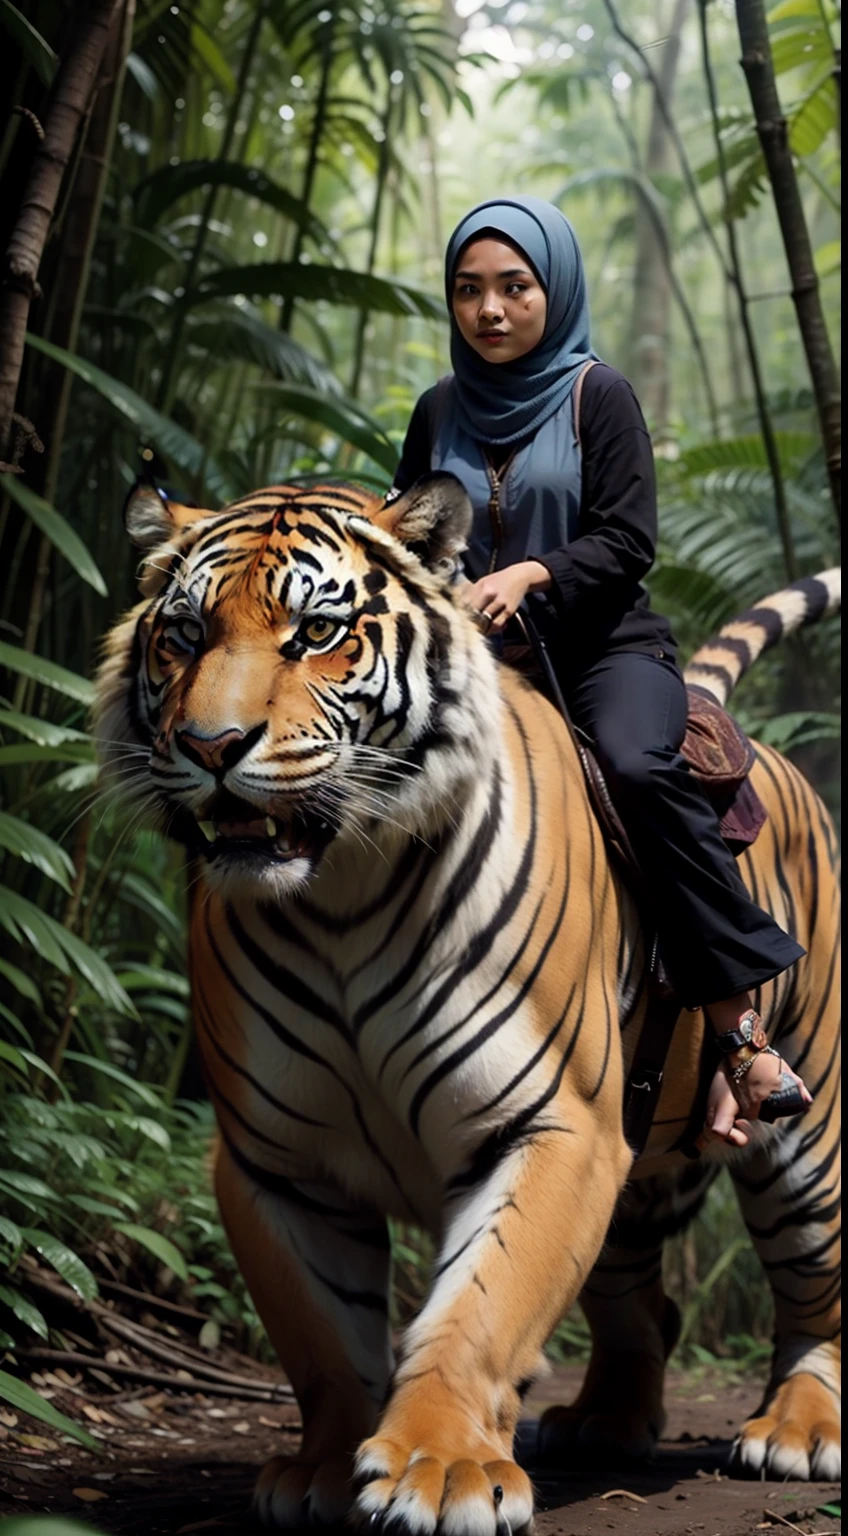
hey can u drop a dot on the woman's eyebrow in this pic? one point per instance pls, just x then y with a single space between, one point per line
511 272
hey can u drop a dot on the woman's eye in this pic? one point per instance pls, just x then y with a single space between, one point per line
317 631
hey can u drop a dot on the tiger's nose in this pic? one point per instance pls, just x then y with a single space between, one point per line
217 754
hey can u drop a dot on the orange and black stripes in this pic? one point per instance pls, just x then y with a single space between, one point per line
417 981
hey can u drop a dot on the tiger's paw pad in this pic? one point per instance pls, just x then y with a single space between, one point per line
798 1436
567 1432
415 1494
291 1494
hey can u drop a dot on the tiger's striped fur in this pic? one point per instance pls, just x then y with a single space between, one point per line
417 983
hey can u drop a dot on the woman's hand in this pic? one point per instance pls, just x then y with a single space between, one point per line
497 597
731 1105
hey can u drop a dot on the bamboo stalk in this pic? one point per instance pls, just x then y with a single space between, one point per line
165 391
74 83
376 212
737 282
758 69
319 118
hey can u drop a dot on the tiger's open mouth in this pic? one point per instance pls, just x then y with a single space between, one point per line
233 829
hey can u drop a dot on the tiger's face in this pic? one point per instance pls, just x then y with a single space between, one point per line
291 667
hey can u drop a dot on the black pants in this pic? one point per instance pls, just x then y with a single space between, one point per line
715 940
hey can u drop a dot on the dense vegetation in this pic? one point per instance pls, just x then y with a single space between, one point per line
242 276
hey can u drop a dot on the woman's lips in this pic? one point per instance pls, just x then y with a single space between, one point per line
491 338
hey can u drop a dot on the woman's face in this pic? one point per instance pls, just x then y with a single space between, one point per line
498 302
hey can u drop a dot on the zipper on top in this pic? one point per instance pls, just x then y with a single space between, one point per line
496 480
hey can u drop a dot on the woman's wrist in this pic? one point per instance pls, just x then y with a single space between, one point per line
538 576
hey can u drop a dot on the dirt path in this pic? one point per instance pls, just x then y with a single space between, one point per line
173 1465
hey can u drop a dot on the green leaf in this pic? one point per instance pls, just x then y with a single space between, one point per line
800 48
25 1184
138 892
748 452
54 527
161 1247
834 1509
151 1129
828 258
11 1054
44 1066
33 47
10 1233
334 285
798 728
814 118
72 752
96 1207
35 847
346 420
170 440
24 1310
46 672
108 1069
66 1263
153 977
21 982
170 182
61 948
26 1400
45 732
789 9
232 331
206 48
18 1026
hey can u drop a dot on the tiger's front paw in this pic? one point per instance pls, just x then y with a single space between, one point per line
798 1435
291 1493
412 1492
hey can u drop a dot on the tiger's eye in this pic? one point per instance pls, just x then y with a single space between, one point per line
189 631
318 630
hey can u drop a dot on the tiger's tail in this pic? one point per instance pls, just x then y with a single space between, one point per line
718 664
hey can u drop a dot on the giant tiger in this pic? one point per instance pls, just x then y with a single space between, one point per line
417 980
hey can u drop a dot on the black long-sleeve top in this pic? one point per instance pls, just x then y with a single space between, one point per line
596 603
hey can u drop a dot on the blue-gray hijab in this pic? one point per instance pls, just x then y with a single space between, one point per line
531 399
500 403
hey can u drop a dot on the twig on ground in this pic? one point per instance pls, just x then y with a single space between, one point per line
269 1394
772 1514
155 1303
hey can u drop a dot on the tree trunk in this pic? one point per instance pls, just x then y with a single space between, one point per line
772 130
74 83
652 296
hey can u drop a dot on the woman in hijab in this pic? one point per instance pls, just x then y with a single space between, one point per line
565 521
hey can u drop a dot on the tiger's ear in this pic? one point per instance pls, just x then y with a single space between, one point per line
433 517
151 518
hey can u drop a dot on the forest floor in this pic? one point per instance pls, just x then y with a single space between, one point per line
176 1461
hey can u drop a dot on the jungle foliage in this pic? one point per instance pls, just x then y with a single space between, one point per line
242 276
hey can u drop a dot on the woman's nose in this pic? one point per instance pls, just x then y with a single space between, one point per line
490 307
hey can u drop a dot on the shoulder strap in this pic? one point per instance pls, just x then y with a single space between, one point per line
578 393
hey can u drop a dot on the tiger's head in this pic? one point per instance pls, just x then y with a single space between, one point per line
298 672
